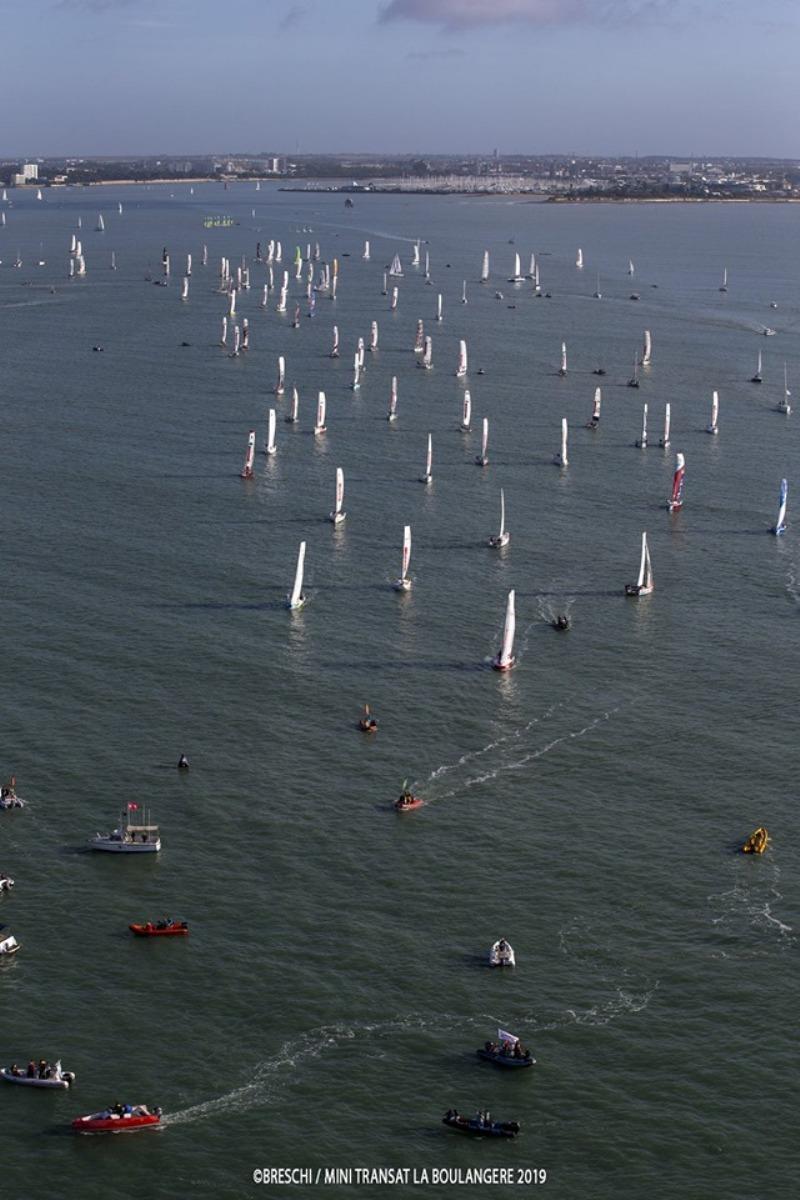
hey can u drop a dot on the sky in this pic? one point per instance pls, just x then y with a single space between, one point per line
608 77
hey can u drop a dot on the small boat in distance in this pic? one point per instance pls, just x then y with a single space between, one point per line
502 954
713 425
675 501
47 1075
270 446
562 370
319 425
780 525
428 476
647 349
296 599
466 412
338 514
641 441
502 537
407 801
481 1125
783 404
367 723
579 259
8 943
250 456
403 583
644 584
163 928
724 285
517 277
129 837
757 842
561 459
757 378
461 369
482 459
594 420
505 660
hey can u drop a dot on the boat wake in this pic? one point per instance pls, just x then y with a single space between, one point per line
471 755
742 910
515 764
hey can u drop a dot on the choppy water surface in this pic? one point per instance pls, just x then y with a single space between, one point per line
326 1007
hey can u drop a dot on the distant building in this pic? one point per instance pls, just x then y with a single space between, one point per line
28 174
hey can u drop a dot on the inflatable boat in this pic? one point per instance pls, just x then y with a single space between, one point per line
479 1127
109 1121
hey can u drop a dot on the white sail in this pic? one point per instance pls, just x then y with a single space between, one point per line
205 256
320 426
466 411
427 354
631 268
724 284
113 260
403 583
562 370
395 296
664 440
517 276
419 340
281 379
464 292
356 384
236 340
232 303
644 584
713 425
278 252
188 264
579 259
598 400
757 377
428 476
562 459
505 659
185 288
485 267
223 341
461 370
415 252
396 268
392 414
439 307
270 447
502 537
427 265
100 223
780 524
373 336
385 288
250 455
338 514
483 458
245 334
296 597
642 441
783 405
335 346
647 349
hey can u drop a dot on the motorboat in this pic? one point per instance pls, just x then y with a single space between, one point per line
507 1051
8 943
9 797
757 842
367 723
561 622
407 801
165 928
121 1118
48 1075
502 954
6 883
481 1125
128 837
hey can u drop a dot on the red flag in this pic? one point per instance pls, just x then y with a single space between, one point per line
133 806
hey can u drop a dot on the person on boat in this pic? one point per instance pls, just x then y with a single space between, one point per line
15 1071
31 1069
117 1109
183 763
42 1069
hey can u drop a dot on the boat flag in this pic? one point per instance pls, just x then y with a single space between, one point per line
503 1036
133 806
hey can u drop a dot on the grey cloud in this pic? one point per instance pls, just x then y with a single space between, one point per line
466 14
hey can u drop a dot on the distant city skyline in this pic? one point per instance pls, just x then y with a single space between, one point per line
703 78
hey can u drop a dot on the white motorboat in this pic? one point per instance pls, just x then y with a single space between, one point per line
8 943
502 954
129 837
54 1076
6 883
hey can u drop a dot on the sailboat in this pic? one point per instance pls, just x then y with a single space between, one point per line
113 260
502 537
419 338
561 459
427 355
663 441
631 269
415 253
373 337
403 584
232 303
505 659
633 382
319 424
757 377
236 342
185 288
396 268
250 456
392 414
296 599
291 417
245 334
439 307
676 499
532 267
365 255
101 225
579 259
385 288
598 295
338 514
464 292
644 584
647 349
783 405
461 369
356 384
594 420
466 412
223 341
428 476
724 284
427 267
713 426
39 195
641 442
394 299
780 525
562 370
270 446
517 277
485 267
482 459
280 381
335 346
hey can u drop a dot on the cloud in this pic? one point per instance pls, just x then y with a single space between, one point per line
468 14
450 52
293 17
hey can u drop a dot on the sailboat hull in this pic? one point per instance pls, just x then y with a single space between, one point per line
497 665
498 540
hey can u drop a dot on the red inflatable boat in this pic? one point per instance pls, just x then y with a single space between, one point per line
136 1116
160 929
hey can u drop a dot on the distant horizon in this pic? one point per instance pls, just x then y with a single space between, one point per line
613 74
389 155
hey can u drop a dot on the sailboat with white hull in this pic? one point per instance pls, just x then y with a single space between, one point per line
663 441
392 413
461 369
713 425
641 441
428 476
783 405
757 378
675 501
485 267
482 459
466 412
517 277
338 514
644 584
594 420
296 599
780 525
502 537
319 424
291 416
403 583
561 459
269 446
505 660
250 456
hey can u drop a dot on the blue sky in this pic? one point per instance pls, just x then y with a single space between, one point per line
680 77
